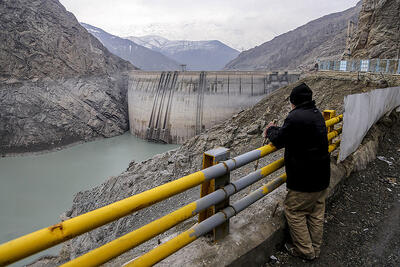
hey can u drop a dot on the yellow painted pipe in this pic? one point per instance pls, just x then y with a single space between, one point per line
164 250
272 167
334 121
272 185
27 245
120 245
267 149
334 133
334 146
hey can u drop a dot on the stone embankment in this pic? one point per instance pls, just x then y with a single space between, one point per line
241 133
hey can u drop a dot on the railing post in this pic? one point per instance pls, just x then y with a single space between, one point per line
329 114
228 84
210 158
252 84
398 67
378 65
387 65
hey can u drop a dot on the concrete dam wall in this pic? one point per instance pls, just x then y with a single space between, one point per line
172 107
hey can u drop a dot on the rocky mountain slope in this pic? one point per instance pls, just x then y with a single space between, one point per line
197 55
378 34
241 133
323 38
58 84
140 56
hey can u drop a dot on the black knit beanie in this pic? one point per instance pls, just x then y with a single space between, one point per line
300 94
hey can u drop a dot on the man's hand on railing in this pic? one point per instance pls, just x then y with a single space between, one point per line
272 123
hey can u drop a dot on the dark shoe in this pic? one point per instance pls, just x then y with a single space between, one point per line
291 250
295 253
317 255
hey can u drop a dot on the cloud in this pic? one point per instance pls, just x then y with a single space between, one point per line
240 24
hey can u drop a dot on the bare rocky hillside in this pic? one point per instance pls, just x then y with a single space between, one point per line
241 133
378 34
58 84
323 38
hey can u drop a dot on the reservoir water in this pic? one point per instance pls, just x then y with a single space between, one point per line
36 189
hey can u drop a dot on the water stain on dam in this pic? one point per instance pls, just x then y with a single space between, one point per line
171 107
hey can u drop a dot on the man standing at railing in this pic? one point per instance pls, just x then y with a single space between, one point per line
307 164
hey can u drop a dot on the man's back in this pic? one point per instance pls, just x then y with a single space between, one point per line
307 154
304 137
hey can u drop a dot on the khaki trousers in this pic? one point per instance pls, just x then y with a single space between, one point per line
305 215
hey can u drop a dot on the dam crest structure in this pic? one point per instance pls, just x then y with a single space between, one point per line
173 106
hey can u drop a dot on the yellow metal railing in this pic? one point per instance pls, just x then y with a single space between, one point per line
27 245
168 248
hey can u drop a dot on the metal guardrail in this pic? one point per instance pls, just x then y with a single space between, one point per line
391 66
173 245
27 245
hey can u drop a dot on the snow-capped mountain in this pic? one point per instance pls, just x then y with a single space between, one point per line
197 55
154 42
140 56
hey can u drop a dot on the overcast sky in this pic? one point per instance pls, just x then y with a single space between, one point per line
241 24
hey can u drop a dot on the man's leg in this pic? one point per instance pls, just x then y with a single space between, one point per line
316 223
296 206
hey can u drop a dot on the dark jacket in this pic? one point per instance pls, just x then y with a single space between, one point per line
304 137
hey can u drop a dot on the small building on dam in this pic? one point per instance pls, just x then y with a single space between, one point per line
171 107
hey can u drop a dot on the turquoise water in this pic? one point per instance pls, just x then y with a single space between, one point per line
36 189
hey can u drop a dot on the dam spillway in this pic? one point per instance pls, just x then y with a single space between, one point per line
171 107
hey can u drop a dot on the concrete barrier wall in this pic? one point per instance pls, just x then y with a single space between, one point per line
171 107
361 112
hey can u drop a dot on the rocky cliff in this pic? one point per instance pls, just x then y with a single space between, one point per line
378 34
58 84
324 38
241 133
